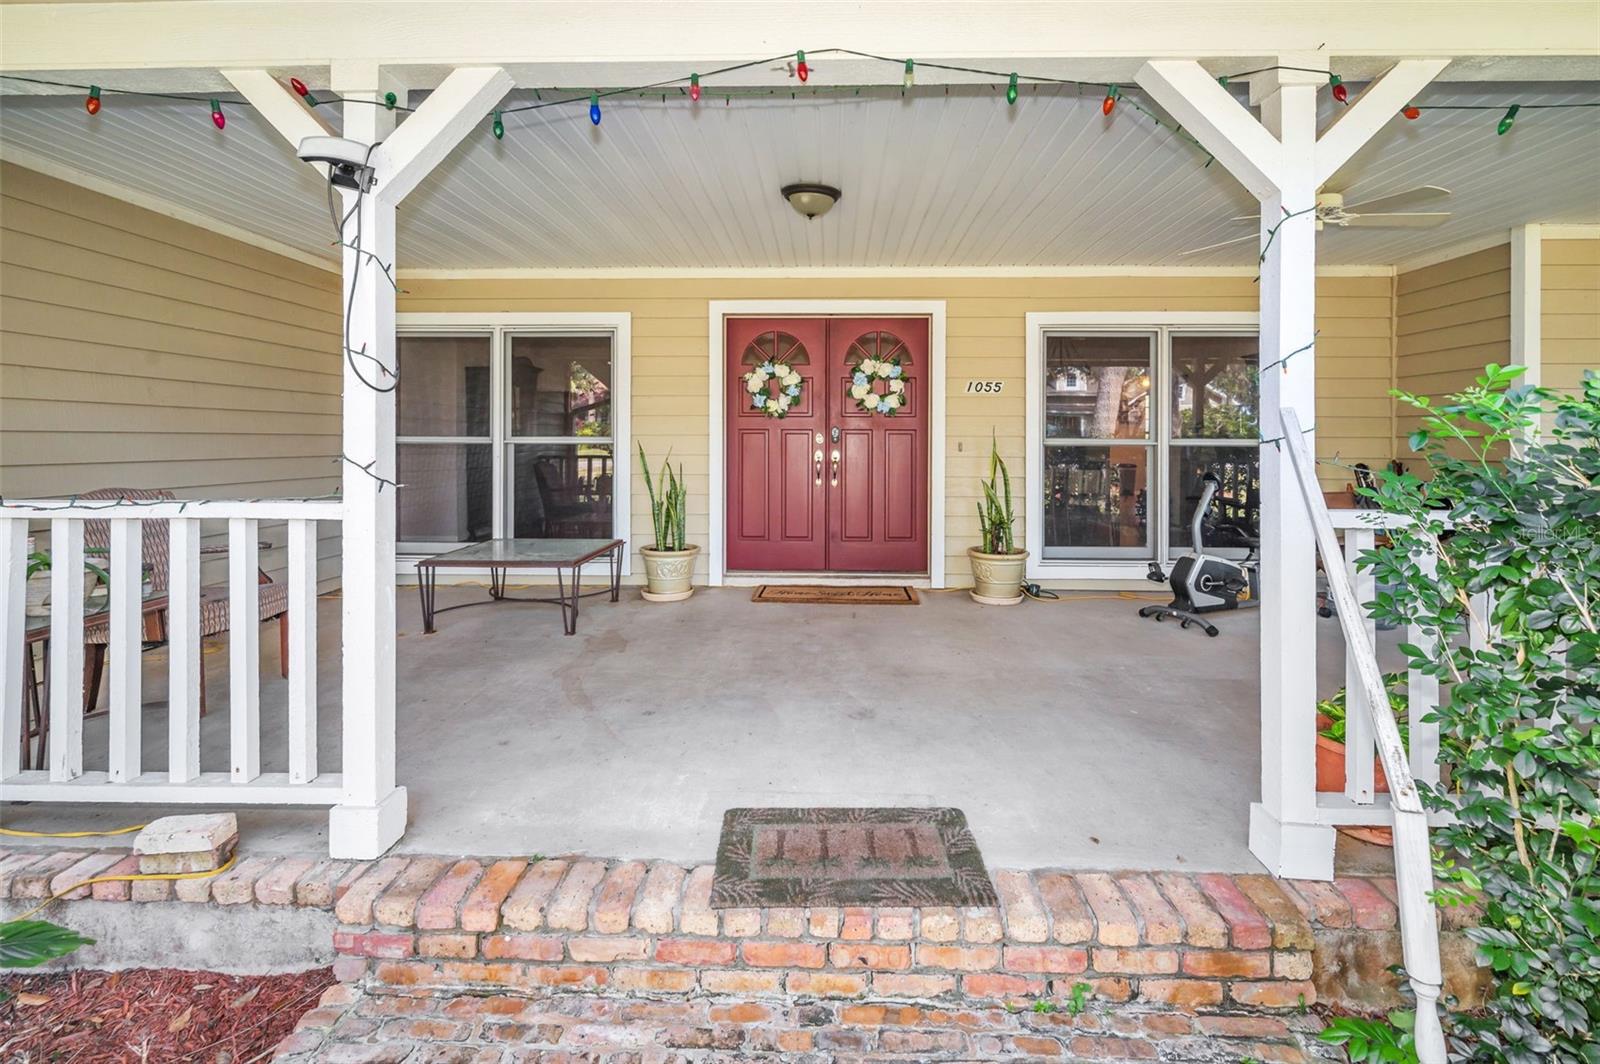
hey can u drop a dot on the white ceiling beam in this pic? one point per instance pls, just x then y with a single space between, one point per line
268 34
1217 120
426 136
1372 110
282 109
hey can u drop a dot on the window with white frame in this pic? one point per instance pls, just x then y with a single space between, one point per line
510 430
1129 419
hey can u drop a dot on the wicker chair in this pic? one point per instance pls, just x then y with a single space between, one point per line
214 619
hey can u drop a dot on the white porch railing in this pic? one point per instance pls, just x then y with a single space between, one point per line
1365 693
185 779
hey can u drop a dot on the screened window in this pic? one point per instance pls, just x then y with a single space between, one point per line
506 433
1098 445
1132 419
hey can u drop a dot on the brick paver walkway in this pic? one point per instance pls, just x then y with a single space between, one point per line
378 1025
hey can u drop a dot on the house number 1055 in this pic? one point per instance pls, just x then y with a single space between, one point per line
985 387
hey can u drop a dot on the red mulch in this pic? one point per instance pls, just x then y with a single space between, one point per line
152 1014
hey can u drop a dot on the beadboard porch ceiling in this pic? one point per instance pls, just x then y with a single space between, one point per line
945 177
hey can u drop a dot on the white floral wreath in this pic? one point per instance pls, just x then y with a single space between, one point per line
789 388
871 370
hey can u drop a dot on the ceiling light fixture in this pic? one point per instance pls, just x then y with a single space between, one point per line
811 200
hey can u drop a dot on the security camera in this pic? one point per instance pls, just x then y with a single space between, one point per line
346 159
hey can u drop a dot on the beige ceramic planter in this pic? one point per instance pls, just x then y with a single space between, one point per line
997 577
669 574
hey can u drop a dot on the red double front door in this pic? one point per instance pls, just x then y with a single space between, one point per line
829 486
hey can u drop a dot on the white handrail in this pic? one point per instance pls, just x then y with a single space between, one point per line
1413 863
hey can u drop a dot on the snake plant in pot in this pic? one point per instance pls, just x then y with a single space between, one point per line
997 566
668 561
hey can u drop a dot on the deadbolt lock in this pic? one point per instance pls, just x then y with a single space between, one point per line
835 434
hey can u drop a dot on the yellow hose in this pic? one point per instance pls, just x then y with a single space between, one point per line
128 877
70 834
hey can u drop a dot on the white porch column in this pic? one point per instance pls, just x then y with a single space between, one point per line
373 814
1283 163
1283 829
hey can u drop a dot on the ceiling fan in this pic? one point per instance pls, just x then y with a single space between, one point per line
1378 213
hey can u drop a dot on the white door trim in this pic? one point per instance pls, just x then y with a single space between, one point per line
1038 323
497 323
721 309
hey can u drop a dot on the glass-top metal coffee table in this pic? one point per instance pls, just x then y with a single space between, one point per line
500 555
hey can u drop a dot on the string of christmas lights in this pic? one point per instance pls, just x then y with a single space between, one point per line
690 86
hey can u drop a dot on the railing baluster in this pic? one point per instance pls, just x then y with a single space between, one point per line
183 651
1422 698
1359 745
66 648
13 639
126 638
244 649
302 651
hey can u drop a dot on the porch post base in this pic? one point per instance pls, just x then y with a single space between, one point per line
363 832
1291 850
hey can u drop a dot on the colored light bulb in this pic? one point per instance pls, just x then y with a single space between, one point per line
92 103
911 77
498 128
1511 116
594 108
298 86
694 87
1110 101
389 100
1411 111
218 119
1011 90
800 67
1340 93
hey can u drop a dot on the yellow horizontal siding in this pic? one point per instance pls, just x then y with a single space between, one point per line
1451 319
1570 311
142 352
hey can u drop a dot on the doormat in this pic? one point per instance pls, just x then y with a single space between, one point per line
837 596
798 857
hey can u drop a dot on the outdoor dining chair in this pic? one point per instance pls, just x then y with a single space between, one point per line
273 597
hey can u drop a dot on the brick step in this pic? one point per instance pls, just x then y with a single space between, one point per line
1196 941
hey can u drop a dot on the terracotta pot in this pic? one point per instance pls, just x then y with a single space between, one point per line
669 574
1330 768
997 578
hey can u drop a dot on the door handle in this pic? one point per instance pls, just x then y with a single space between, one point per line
835 478
818 459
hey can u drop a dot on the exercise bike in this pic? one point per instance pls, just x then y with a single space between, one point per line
1203 583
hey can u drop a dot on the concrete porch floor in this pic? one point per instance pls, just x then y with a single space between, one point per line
1072 733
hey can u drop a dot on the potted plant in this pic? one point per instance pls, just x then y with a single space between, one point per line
997 566
1331 721
96 583
668 561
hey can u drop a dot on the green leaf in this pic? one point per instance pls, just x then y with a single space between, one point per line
29 943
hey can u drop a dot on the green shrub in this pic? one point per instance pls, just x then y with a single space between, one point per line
1517 517
1334 709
